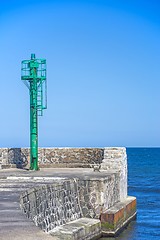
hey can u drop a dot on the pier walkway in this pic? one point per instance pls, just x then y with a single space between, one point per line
13 223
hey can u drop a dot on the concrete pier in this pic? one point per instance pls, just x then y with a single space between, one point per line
79 193
85 189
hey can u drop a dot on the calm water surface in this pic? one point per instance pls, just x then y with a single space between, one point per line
143 183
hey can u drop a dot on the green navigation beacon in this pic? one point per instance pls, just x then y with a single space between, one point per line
33 74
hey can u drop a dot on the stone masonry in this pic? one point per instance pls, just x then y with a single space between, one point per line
52 157
116 159
52 205
101 195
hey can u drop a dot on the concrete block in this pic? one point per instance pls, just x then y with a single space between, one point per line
83 228
117 217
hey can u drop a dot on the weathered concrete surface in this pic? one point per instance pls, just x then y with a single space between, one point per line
13 224
86 195
110 159
52 205
15 181
116 159
51 157
84 173
116 217
81 229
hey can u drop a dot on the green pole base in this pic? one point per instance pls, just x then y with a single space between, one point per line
34 165
34 169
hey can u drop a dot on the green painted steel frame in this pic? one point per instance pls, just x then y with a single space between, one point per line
33 73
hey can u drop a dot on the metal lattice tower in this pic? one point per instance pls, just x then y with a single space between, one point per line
33 74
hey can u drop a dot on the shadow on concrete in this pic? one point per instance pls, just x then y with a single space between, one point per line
18 157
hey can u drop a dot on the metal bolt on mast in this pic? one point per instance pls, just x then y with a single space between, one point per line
33 74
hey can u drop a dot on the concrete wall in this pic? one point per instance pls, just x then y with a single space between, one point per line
53 157
116 159
55 204
111 159
96 195
50 206
103 196
14 156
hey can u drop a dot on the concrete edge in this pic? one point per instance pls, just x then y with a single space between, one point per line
115 219
118 231
82 228
14 178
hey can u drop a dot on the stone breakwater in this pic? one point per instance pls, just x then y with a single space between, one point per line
83 205
102 196
62 157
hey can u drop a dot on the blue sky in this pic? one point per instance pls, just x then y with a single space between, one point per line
103 73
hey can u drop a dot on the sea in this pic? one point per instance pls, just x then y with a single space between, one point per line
144 184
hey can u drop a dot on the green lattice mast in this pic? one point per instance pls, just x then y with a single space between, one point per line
34 76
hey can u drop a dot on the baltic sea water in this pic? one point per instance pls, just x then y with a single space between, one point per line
144 184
